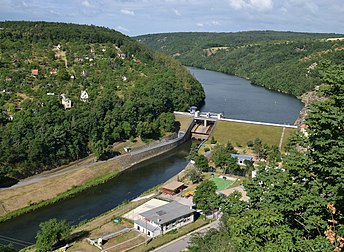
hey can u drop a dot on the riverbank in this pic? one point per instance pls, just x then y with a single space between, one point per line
19 200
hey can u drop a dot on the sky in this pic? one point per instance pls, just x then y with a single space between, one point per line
137 17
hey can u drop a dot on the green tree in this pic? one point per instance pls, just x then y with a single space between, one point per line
7 248
193 152
205 196
258 147
51 233
193 174
287 209
201 163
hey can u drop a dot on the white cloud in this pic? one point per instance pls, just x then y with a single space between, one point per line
200 24
121 28
86 3
128 12
176 12
260 5
214 22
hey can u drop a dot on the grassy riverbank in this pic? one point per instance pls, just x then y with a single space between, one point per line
51 189
65 195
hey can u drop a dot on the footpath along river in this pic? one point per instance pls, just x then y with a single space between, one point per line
236 97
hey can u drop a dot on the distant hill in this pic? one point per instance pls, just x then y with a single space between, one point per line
283 61
68 90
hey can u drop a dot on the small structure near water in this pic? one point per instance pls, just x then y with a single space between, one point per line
173 187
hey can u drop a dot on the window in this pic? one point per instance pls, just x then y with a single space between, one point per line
138 227
148 233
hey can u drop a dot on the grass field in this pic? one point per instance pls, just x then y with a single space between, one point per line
184 122
222 183
241 133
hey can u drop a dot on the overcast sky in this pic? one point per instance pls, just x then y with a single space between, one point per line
136 17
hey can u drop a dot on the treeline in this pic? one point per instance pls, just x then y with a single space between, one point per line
282 61
299 206
131 91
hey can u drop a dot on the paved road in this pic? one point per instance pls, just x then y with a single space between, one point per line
182 242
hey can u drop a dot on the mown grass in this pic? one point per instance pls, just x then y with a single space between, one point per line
241 133
221 183
183 121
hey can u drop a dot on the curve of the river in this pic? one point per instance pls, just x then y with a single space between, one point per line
237 98
232 95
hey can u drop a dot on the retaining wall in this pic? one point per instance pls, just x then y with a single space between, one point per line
152 150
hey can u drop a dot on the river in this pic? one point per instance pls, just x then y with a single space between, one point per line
234 96
237 98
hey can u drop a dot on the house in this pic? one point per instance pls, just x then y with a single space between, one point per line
84 96
172 188
122 55
66 102
242 159
34 72
162 219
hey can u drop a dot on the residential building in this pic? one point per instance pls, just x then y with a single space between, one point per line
163 219
66 102
242 159
34 72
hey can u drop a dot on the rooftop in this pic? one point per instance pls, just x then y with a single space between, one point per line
174 185
167 213
242 156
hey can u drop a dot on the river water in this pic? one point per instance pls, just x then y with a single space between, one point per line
237 98
234 96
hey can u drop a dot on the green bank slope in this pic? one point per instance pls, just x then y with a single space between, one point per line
130 91
283 61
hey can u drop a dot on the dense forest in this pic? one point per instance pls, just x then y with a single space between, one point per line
69 90
282 61
299 206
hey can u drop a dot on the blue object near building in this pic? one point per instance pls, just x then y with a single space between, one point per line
193 109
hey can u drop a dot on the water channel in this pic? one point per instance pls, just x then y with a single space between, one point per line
234 96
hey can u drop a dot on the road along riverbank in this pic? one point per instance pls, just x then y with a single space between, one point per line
19 200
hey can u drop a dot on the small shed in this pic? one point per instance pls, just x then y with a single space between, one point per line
193 109
173 187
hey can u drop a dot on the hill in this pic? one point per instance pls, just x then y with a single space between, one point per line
70 90
282 61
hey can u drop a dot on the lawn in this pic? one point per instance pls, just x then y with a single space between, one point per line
240 133
222 183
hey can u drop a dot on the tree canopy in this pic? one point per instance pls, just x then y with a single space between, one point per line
298 207
131 91
282 61
52 232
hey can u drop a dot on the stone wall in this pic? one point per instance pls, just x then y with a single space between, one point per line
152 150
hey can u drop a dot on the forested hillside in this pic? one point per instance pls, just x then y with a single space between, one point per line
283 61
299 206
112 88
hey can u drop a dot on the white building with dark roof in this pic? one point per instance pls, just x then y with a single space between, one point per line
162 219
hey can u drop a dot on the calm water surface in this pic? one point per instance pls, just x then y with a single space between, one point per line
234 96
102 198
237 98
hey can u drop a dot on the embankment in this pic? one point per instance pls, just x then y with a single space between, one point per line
20 200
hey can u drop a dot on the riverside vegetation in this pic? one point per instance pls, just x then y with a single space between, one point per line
282 61
298 207
132 91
